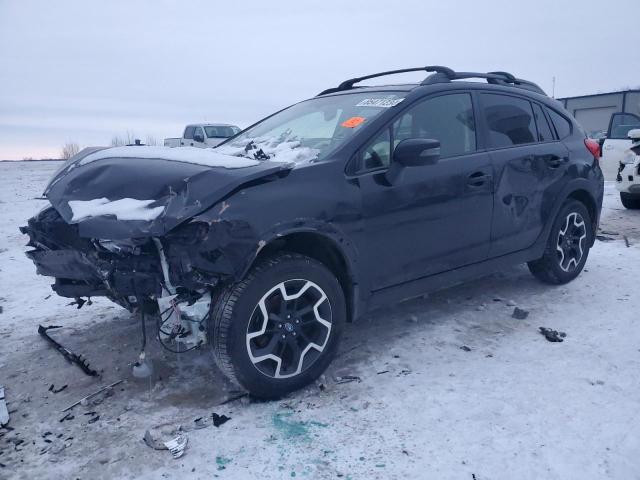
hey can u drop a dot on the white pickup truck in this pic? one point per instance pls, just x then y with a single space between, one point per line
203 135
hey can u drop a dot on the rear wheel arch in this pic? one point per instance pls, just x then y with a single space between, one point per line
584 197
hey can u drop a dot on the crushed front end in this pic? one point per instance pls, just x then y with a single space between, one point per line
167 277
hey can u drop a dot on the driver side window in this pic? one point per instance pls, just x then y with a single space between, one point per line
446 118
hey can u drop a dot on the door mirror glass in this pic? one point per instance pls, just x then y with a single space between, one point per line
198 137
416 152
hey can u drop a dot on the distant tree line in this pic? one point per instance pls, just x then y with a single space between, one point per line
128 138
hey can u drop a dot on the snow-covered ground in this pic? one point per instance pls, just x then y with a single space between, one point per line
509 406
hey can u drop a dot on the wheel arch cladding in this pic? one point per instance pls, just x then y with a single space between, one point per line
588 201
323 249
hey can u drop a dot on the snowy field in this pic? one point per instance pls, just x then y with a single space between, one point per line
509 405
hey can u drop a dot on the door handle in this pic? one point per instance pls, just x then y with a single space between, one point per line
608 147
478 179
554 161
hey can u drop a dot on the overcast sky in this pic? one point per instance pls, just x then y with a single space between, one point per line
85 71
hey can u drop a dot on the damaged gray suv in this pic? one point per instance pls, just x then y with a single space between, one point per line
266 245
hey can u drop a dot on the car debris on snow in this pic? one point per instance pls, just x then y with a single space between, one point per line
519 313
151 442
66 353
348 379
4 413
92 395
604 238
552 335
177 445
53 388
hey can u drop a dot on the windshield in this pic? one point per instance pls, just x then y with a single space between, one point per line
221 131
310 130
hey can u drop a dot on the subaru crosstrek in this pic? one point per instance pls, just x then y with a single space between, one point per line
266 245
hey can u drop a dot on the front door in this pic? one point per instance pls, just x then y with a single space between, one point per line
431 218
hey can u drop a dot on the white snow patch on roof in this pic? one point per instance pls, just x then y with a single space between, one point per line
123 209
200 156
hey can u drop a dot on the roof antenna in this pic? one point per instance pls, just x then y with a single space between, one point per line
553 88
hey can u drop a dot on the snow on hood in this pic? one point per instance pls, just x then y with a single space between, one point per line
283 149
200 156
123 209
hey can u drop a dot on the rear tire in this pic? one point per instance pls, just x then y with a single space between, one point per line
568 245
294 343
630 200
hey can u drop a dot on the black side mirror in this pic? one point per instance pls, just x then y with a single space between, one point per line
198 138
416 152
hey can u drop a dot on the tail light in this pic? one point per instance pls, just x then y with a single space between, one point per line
593 146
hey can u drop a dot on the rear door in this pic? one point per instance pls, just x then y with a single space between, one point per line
430 218
527 159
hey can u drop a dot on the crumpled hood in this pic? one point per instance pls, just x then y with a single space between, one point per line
132 192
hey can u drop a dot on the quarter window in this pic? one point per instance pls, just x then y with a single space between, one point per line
509 120
378 153
447 118
544 130
561 124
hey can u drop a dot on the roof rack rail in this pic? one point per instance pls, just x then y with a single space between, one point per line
442 75
348 84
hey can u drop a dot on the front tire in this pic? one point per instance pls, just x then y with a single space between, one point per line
630 200
568 245
278 329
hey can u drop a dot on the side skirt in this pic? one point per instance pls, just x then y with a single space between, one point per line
416 288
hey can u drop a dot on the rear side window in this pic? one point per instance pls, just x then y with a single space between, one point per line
188 132
544 130
509 120
561 124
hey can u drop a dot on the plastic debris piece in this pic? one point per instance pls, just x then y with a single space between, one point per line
552 335
68 354
177 445
219 419
84 399
519 313
68 416
465 348
347 379
52 388
4 413
152 442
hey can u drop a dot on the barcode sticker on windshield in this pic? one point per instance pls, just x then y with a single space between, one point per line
379 102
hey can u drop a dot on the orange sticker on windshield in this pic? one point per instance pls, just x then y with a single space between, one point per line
353 122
